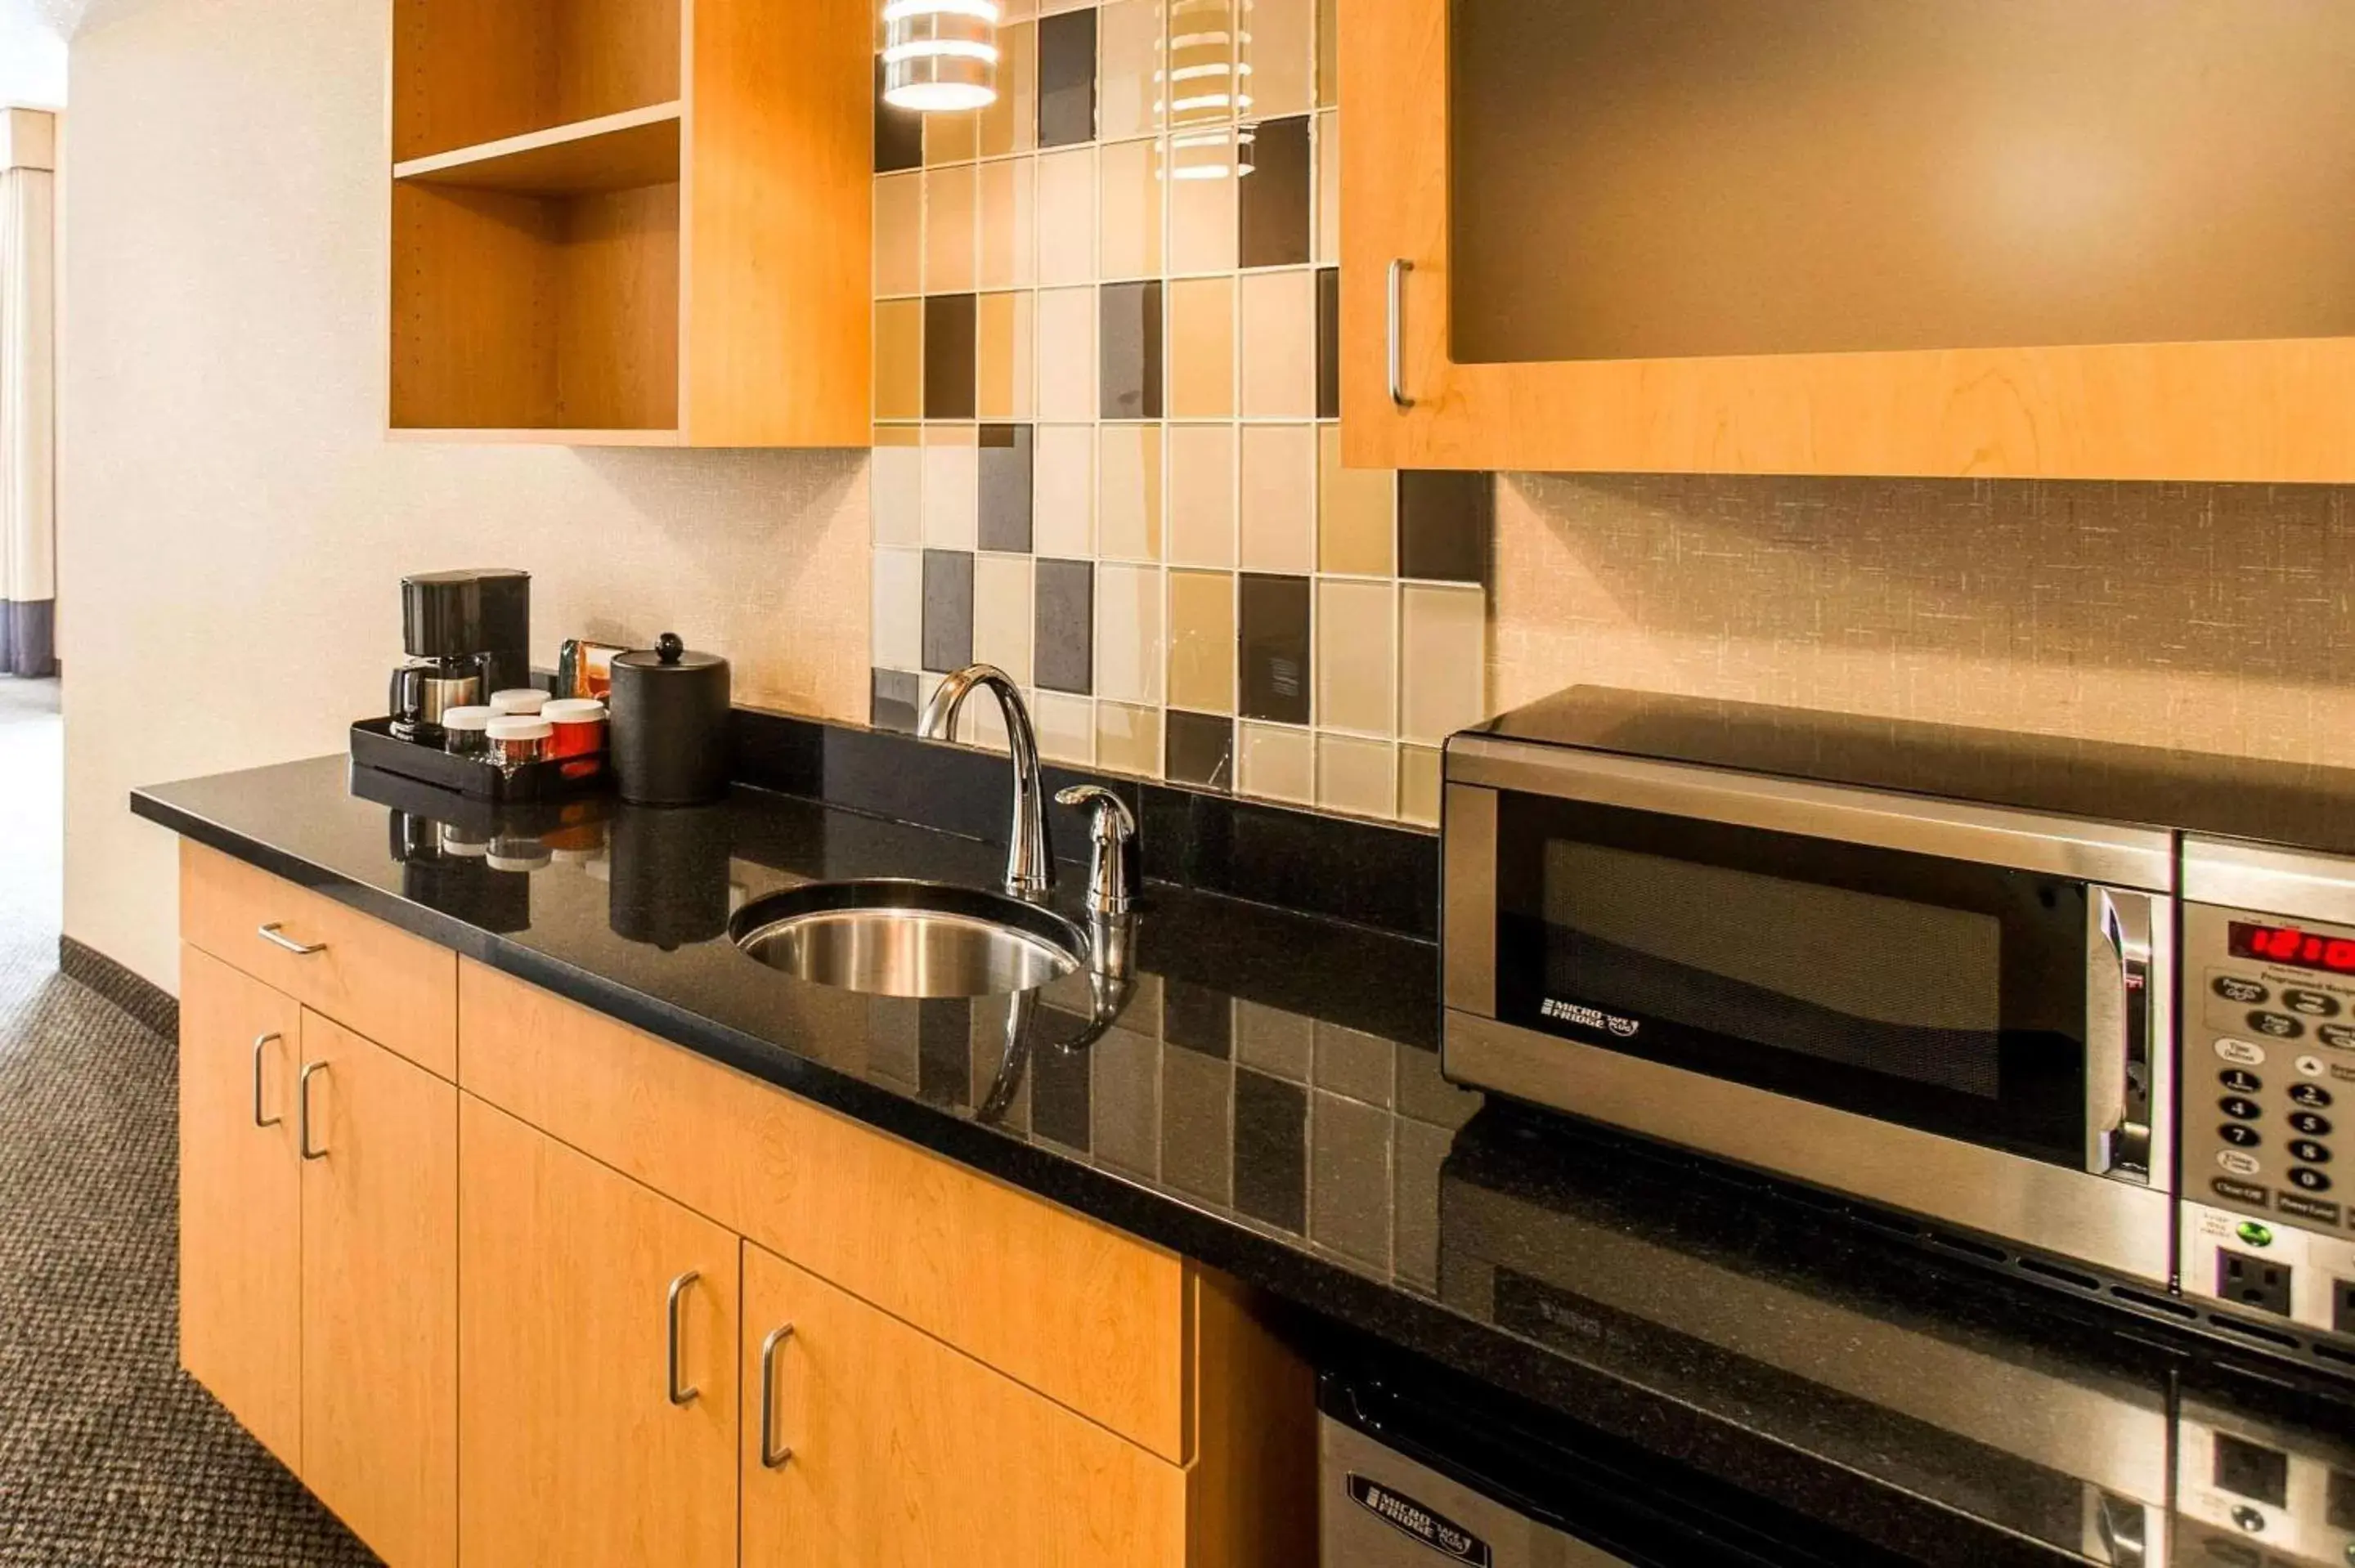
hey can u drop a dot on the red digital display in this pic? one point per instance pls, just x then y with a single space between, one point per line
2289 945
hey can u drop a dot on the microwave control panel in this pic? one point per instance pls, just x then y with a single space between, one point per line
2268 1114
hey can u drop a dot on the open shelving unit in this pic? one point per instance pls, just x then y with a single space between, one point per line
631 222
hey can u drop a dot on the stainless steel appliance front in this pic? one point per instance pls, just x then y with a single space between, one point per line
1960 1012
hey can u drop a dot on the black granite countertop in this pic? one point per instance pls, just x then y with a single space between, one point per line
1269 1102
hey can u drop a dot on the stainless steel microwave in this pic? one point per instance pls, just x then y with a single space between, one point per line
1839 951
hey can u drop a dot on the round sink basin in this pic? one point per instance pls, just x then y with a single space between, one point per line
907 938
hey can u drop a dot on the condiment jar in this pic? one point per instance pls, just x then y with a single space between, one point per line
579 726
516 739
670 726
464 731
518 700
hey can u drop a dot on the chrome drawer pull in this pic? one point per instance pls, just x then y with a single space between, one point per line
1398 269
303 1108
275 935
678 1288
771 1457
261 1040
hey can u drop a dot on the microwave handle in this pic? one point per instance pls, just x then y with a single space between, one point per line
2123 961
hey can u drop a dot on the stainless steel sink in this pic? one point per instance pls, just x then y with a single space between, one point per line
908 939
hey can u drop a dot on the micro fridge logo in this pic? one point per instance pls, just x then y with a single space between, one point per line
1408 1517
1590 1018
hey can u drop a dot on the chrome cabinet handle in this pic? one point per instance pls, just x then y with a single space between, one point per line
1398 269
260 1042
670 1325
2124 1123
303 1111
771 1457
274 933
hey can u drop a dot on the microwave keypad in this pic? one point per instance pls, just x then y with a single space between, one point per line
2269 1075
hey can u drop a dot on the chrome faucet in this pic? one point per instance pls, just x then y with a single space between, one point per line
1112 864
1029 864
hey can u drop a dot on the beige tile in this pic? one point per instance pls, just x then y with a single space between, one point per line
1066 217
1359 776
1203 348
1201 495
1066 725
1128 68
895 486
1128 493
1203 232
1279 498
950 211
1443 660
1329 189
1355 512
1202 641
1328 57
1278 763
1063 491
1419 787
1129 210
898 638
951 138
1277 345
1009 223
1202 88
1128 740
900 359
1128 633
899 234
1067 354
1278 52
952 487
1004 341
1001 613
1356 655
1011 125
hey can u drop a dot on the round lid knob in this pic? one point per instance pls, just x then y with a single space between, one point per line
669 648
670 654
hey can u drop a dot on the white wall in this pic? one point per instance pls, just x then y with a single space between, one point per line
233 522
32 57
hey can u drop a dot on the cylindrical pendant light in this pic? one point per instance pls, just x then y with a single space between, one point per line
940 55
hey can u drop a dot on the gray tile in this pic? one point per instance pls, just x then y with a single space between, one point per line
1067 79
1349 1177
1130 343
1274 1041
1127 1110
1426 1097
1064 642
1006 488
949 382
1444 523
1357 1064
1198 1018
892 701
1198 1107
948 610
1278 199
1198 749
1271 1150
1415 1223
1274 634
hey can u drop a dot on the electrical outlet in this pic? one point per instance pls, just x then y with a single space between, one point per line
2246 1281
2342 1306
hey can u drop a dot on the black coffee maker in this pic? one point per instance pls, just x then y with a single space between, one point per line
468 634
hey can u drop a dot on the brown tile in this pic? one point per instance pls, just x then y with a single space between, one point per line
1354 528
1356 655
1277 345
1007 471
1009 222
1063 626
951 379
1445 522
1329 342
899 234
951 138
900 359
1067 727
1130 369
1202 641
1276 677
1200 749
1128 208
1359 776
1067 77
1066 217
1329 189
1419 785
1128 493
1004 337
1128 68
1278 763
1128 740
898 133
1203 348
1443 660
1280 47
1203 201
1279 498
952 208
1278 201
1201 495
1328 59
1011 125
1202 62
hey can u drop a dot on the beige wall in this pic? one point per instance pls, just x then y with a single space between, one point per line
234 523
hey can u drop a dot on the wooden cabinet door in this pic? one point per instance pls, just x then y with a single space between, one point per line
905 1452
575 1446
240 1199
379 1183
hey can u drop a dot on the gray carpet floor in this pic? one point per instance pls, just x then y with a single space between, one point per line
109 1455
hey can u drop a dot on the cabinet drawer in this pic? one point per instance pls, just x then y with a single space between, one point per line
397 989
1091 1318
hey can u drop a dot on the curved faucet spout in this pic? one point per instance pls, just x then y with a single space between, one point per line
1029 864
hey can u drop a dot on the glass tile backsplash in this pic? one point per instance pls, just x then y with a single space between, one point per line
1106 400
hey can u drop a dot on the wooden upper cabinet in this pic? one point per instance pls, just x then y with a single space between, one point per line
631 222
1893 236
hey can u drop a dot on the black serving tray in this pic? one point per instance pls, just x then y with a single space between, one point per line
375 746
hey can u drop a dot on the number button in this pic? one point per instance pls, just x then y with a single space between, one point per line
2311 1125
2240 1080
2239 1134
2239 1109
2312 1096
2313 1153
2247 992
2276 1025
2312 1180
